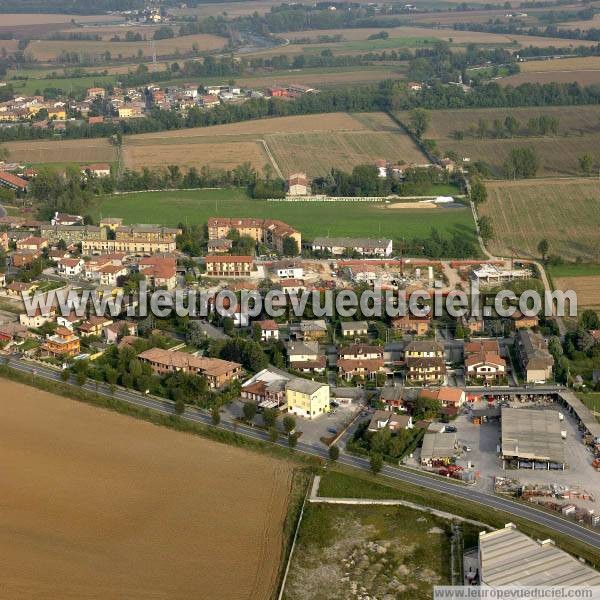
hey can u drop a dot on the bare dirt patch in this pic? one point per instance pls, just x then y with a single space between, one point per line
97 505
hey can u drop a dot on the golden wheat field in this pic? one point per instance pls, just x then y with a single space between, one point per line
564 211
61 151
98 505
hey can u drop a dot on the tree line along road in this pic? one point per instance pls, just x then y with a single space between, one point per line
553 522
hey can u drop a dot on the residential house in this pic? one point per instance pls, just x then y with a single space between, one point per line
533 356
392 398
160 271
521 321
305 357
38 318
315 329
291 272
472 324
94 326
362 246
70 267
410 323
228 266
113 331
32 243
425 362
217 372
305 398
269 330
220 246
4 241
18 288
12 332
384 419
21 259
483 361
447 396
63 343
266 388
354 329
110 274
360 361
292 286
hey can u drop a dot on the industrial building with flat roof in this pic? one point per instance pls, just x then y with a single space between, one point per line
531 436
509 557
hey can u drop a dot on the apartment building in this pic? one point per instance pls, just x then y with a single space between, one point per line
305 398
425 362
265 231
229 266
136 239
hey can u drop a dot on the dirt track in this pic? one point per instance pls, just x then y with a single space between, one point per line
98 505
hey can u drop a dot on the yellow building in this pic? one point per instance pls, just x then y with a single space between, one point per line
307 398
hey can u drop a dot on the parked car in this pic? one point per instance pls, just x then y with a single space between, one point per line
450 429
332 430
467 448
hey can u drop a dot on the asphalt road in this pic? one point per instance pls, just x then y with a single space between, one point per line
549 520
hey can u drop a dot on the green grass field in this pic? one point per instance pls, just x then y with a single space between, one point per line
68 85
358 219
574 270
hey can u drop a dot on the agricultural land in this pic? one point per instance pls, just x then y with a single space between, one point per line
578 134
133 495
566 212
311 143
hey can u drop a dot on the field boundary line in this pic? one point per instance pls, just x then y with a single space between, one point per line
295 538
271 157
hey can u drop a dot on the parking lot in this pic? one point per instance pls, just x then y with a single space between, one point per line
484 441
324 426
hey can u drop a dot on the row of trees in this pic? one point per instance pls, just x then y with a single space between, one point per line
509 127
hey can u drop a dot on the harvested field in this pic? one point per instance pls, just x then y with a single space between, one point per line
579 133
391 552
233 9
564 211
106 32
61 151
319 122
218 155
316 154
16 19
311 143
583 119
99 505
582 77
9 45
587 289
558 156
325 78
561 64
49 50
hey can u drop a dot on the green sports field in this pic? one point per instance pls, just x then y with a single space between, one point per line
353 219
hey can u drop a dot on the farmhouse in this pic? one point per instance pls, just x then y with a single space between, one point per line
217 372
531 436
228 266
362 246
265 231
307 398
297 185
97 169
